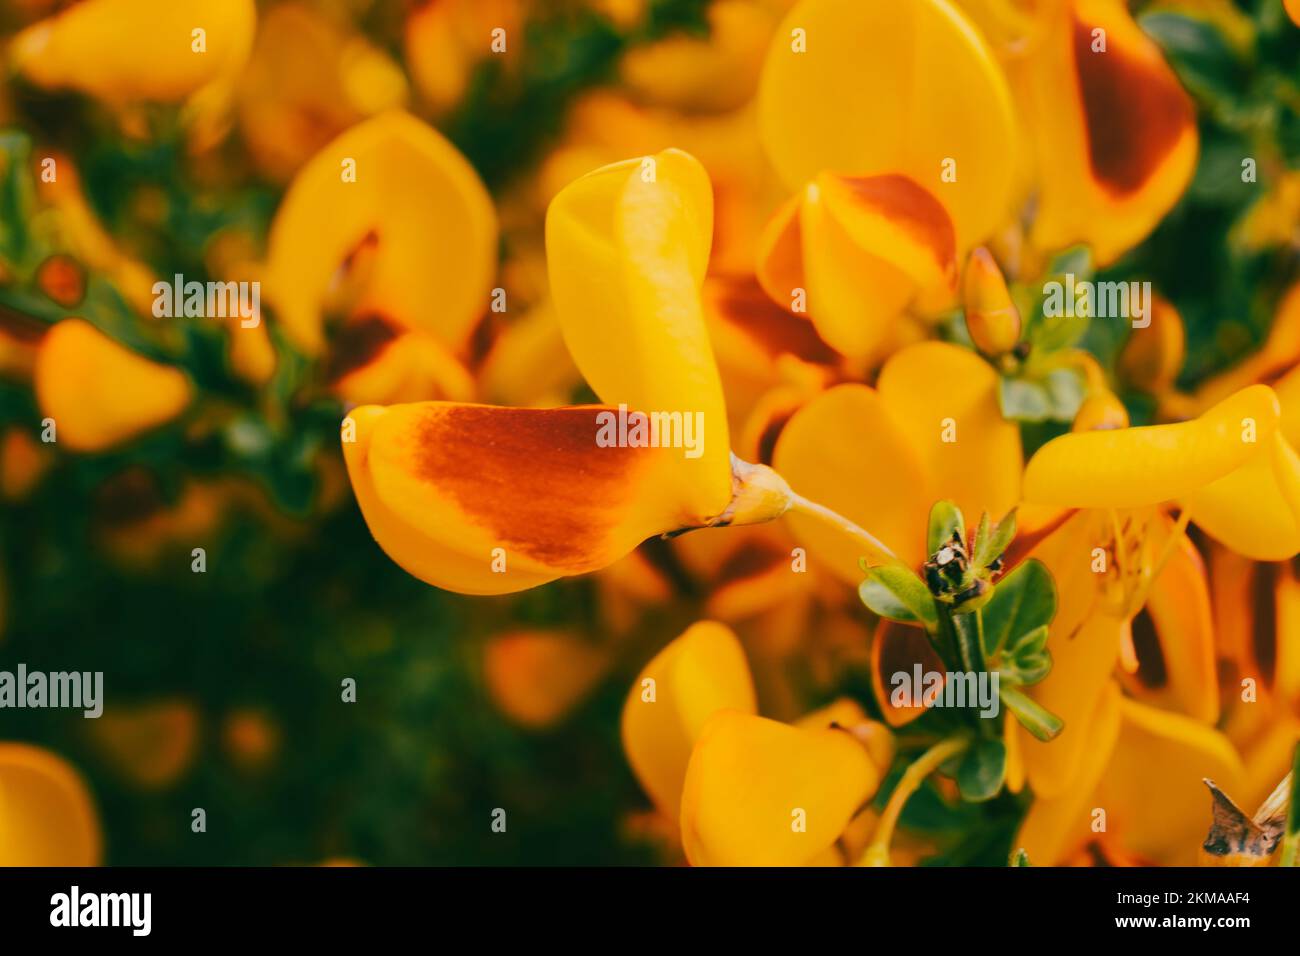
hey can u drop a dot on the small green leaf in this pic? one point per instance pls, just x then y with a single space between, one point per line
1019 858
1022 601
893 591
1031 643
982 770
1034 717
990 544
945 520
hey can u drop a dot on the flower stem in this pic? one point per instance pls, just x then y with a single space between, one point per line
877 854
877 550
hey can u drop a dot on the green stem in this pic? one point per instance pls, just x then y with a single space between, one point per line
877 854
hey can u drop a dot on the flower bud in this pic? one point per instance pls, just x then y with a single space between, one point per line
991 316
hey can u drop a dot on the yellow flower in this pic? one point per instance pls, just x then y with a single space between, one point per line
701 672
855 253
931 429
393 192
895 124
1293 10
1232 469
1113 134
748 791
100 394
762 793
482 499
907 89
47 817
1139 792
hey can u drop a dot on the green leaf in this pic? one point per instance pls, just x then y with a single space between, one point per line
982 770
1031 643
895 592
1019 858
945 519
990 544
1022 601
1034 717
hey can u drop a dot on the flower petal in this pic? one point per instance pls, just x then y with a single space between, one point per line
701 672
1082 663
892 88
1115 134
1174 640
845 450
976 462
1156 803
443 486
47 817
1250 508
1056 826
99 393
129 50
762 793
1132 467
421 205
627 249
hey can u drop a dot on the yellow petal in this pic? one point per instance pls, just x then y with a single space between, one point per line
845 450
1156 803
946 400
1293 10
1250 510
1114 133
129 50
1175 640
872 247
537 677
47 817
1131 467
701 672
450 491
421 206
627 248
892 88
1056 826
99 393
1082 663
762 793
